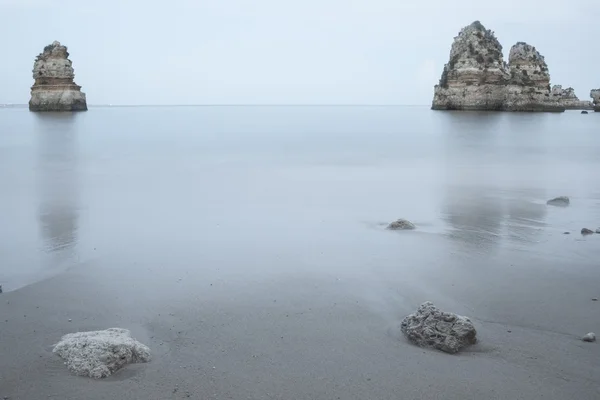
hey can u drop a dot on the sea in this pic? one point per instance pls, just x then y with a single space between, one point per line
246 193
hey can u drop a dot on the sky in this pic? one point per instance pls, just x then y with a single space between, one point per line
282 51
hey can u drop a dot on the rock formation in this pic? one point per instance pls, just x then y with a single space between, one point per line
595 95
568 99
431 327
54 89
401 224
98 354
589 337
477 78
561 201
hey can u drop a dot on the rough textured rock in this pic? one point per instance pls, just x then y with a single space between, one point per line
430 327
561 201
569 100
401 224
54 88
586 231
99 354
477 78
590 337
595 95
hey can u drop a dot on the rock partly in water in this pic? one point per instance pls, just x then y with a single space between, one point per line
569 100
99 354
595 95
431 327
590 337
597 231
586 231
54 88
401 224
477 78
584 112
561 201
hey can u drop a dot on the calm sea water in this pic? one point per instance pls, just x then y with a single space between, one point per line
256 191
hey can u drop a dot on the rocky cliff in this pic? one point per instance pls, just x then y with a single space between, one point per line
54 88
568 99
477 78
595 95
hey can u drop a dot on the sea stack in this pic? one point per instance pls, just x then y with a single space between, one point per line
595 95
477 78
54 88
568 99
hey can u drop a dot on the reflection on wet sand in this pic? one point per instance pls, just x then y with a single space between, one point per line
58 185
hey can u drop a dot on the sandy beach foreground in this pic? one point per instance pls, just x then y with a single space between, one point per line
311 335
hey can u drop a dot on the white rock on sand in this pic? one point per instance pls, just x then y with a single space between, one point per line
431 327
590 337
99 354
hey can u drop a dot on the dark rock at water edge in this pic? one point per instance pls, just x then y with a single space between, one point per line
598 230
586 231
401 224
431 327
561 201
584 112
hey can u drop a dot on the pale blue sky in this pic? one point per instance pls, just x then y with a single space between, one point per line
278 51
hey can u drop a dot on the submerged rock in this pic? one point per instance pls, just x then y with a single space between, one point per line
561 201
54 88
477 78
430 327
586 231
595 95
401 224
590 337
99 354
569 100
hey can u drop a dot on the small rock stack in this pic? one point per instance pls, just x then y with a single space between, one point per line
54 88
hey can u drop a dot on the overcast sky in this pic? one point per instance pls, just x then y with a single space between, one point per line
282 51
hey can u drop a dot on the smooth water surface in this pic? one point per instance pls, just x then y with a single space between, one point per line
260 191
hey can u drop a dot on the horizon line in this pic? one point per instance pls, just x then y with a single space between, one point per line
237 105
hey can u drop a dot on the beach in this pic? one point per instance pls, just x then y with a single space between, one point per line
246 246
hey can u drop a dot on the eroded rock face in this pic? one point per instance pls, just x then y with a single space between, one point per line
431 327
595 95
569 100
98 354
54 88
477 78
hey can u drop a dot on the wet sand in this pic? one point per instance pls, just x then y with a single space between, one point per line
310 334
255 264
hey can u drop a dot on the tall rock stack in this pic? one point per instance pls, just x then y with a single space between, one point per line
54 88
595 95
477 78
569 100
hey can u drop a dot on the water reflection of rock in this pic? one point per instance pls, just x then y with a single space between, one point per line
484 217
57 183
